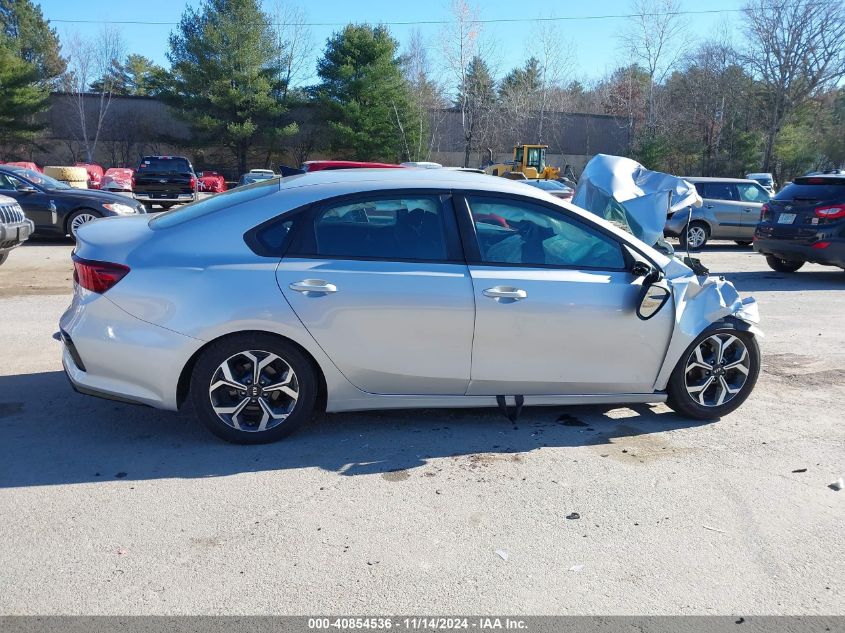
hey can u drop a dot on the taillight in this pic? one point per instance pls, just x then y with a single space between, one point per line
821 245
97 276
133 183
831 213
765 213
193 183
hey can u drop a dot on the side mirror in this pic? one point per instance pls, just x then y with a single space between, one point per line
26 189
653 297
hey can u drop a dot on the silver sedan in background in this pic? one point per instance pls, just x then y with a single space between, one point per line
379 289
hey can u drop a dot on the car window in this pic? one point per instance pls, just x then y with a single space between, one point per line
716 190
751 193
6 183
382 228
164 165
516 232
813 191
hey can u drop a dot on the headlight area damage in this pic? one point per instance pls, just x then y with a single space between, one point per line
700 303
638 200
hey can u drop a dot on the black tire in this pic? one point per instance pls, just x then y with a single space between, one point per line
783 265
215 354
76 214
683 403
742 242
697 225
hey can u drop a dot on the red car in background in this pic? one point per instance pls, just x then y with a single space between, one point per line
320 165
25 165
117 179
95 174
211 181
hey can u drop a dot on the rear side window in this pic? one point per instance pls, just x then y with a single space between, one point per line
382 228
813 191
752 193
163 165
516 232
716 190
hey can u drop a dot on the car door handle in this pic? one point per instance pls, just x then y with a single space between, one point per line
709 206
313 285
748 210
505 292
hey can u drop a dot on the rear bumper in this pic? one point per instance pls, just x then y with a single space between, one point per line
111 354
13 235
833 255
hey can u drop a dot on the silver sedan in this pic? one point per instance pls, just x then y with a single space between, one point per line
379 289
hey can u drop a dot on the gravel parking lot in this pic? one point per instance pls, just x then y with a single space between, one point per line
116 509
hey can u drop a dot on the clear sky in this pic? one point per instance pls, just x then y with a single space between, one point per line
594 41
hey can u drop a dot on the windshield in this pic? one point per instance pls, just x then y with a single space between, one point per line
833 190
40 179
536 158
160 164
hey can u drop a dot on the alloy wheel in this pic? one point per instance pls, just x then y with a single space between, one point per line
80 219
253 391
696 236
717 370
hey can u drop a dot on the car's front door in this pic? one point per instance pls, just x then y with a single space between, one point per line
380 283
722 204
36 204
555 304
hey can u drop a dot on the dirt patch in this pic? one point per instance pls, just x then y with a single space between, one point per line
633 446
485 460
396 475
800 371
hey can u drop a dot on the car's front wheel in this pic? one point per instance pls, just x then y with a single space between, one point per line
695 236
79 218
715 374
253 388
783 265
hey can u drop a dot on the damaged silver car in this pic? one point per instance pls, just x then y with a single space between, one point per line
384 289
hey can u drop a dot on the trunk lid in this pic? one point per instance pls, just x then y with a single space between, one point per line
112 239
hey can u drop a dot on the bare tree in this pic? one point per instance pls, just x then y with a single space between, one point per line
427 97
652 42
91 61
795 49
459 45
557 61
295 45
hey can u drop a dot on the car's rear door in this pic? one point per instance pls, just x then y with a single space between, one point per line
752 197
380 282
721 203
555 304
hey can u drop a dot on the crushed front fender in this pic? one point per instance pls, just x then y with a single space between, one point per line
701 302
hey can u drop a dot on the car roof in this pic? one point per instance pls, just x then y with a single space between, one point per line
408 179
694 179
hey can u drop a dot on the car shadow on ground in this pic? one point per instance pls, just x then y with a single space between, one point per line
771 281
51 435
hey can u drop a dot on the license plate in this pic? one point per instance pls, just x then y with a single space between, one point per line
786 218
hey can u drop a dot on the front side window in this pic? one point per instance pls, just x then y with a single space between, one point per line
516 232
716 190
752 193
382 228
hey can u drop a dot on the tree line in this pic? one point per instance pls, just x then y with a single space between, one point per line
239 76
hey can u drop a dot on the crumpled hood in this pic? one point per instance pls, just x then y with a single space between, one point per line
634 198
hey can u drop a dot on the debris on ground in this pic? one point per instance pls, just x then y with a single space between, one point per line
576 568
839 484
502 554
712 529
570 420
573 515
800 470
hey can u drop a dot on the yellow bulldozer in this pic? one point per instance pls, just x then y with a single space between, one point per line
529 162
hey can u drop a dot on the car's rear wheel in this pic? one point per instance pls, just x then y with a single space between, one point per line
695 236
78 218
715 374
783 265
253 388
